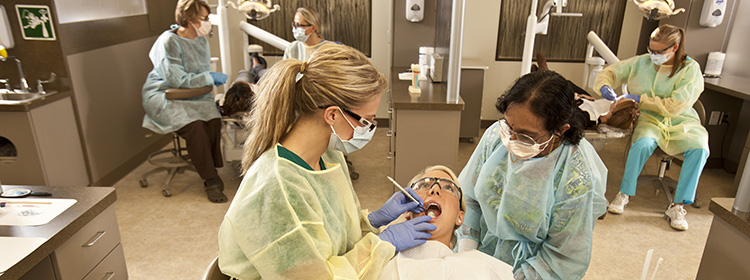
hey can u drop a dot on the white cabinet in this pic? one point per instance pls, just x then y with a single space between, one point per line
47 143
94 252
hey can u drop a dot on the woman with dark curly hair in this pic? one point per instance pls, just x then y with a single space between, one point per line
534 186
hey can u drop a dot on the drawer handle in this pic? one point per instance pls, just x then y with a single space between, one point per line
389 155
94 239
108 276
389 133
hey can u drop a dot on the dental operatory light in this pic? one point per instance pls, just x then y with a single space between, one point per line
255 9
655 10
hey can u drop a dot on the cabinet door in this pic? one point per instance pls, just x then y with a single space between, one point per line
111 268
85 249
59 144
26 167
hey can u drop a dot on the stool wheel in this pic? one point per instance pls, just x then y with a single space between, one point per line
143 183
166 193
354 175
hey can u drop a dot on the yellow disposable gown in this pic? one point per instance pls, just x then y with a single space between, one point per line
667 113
287 222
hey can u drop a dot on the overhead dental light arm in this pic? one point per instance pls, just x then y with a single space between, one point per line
539 25
252 9
596 43
255 9
264 36
654 10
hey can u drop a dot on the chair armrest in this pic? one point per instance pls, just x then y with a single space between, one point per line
183 93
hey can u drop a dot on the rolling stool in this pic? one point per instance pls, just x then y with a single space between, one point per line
663 183
172 160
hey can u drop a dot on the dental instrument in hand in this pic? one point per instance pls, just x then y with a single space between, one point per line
405 192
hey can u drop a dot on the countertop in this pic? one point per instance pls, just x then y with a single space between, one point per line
433 96
91 201
733 86
722 208
49 98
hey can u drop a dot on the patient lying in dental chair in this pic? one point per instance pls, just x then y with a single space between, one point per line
443 199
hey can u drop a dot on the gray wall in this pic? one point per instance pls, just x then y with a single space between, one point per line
108 63
409 36
725 140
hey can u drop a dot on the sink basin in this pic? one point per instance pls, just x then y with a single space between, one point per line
21 98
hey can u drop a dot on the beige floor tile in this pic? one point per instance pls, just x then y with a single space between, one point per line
176 237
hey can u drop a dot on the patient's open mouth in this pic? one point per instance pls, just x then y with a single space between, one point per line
433 210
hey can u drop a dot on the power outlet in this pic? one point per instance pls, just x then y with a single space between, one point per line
724 118
715 118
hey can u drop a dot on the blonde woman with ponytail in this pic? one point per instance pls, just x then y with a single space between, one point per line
295 215
666 83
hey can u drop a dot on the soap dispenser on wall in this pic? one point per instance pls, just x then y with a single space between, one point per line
713 13
415 10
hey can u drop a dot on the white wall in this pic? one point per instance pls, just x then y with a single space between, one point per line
737 62
480 40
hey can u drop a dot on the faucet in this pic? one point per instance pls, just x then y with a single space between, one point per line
24 84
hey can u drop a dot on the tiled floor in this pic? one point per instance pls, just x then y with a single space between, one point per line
176 237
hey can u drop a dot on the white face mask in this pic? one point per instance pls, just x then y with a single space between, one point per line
523 150
299 34
659 59
362 136
204 29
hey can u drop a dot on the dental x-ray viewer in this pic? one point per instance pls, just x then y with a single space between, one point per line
295 215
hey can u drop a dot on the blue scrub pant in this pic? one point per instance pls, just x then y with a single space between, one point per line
692 167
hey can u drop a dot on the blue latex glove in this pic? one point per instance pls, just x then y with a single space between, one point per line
636 98
408 234
394 207
219 78
608 93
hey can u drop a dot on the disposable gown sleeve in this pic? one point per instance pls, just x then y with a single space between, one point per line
471 228
169 64
688 89
300 248
566 252
614 75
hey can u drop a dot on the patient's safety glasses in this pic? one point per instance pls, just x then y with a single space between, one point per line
426 184
505 128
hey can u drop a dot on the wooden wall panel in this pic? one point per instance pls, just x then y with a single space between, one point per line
345 21
566 36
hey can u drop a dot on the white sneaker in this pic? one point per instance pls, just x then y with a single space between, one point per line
618 205
676 215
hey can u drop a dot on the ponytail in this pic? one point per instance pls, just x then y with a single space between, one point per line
335 75
273 110
679 56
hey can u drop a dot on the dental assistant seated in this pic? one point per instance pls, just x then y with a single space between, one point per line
307 34
435 260
534 186
295 215
181 59
666 83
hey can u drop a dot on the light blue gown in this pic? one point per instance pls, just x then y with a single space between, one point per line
178 63
537 215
